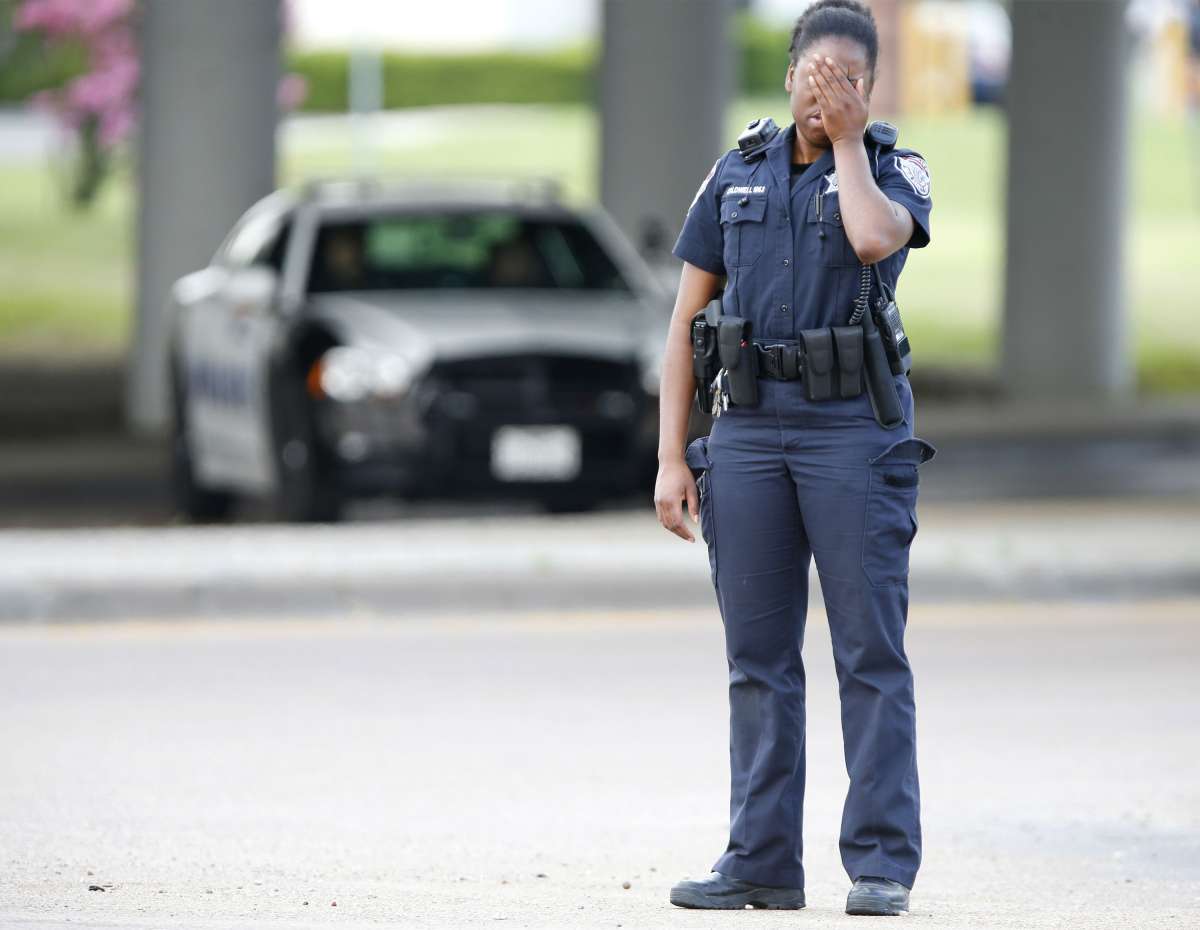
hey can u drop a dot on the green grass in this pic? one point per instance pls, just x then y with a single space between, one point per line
486 141
66 279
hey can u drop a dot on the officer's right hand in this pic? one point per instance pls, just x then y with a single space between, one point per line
674 483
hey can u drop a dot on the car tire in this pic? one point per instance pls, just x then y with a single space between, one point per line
194 503
306 488
577 502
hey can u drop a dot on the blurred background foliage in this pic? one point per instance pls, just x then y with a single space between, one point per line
66 280
413 79
27 65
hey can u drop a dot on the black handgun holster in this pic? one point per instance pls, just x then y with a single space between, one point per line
739 358
704 362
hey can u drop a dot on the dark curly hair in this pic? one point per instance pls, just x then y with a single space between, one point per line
850 19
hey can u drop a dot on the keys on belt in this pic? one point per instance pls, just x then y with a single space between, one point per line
720 393
779 361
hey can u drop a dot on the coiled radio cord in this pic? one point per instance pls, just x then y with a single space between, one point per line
863 300
864 295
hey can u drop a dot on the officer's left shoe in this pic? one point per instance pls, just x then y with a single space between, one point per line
726 893
878 897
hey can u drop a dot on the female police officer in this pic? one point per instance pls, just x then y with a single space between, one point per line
788 478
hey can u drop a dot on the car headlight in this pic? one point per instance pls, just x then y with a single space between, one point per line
351 373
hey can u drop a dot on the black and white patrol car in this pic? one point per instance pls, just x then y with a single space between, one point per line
415 340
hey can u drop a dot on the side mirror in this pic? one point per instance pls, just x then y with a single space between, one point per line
252 289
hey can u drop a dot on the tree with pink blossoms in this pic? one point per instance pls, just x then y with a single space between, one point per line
99 107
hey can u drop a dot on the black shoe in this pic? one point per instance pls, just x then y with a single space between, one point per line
725 893
879 897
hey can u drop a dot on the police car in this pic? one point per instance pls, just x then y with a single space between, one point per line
416 340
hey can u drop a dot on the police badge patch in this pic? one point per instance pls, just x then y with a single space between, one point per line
704 184
832 181
915 171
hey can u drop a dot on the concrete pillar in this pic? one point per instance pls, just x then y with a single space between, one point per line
206 151
667 71
885 98
1065 328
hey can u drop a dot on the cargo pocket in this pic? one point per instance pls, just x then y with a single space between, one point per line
744 227
698 461
890 521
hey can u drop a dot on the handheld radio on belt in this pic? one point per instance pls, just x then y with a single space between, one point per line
882 352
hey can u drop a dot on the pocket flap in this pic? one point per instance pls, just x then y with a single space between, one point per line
696 456
912 450
733 211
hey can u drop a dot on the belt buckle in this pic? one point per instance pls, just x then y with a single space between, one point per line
774 353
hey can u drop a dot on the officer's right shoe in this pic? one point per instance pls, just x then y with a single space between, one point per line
877 897
725 893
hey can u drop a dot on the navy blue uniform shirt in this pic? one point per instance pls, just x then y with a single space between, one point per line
781 274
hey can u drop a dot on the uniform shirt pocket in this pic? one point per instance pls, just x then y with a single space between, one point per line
825 229
743 220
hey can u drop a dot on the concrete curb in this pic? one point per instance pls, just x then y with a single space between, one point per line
434 596
600 561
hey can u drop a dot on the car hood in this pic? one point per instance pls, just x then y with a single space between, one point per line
462 324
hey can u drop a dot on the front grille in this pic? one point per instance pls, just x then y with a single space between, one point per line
536 386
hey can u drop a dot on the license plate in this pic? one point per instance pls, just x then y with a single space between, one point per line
535 453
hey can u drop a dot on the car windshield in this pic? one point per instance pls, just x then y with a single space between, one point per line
460 250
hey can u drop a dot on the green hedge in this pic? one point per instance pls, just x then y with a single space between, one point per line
415 79
764 56
566 76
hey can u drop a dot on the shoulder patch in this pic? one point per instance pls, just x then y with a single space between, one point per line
704 183
915 171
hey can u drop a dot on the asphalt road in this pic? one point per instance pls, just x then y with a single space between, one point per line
516 770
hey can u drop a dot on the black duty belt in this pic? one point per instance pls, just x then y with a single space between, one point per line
780 361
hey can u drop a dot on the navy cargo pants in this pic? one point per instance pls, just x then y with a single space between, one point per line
778 483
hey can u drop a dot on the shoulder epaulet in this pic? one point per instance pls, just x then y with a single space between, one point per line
756 137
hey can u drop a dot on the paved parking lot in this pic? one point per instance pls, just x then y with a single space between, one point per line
517 769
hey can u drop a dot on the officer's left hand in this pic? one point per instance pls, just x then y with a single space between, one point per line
673 485
843 105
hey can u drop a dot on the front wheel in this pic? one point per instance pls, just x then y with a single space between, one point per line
307 490
570 502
